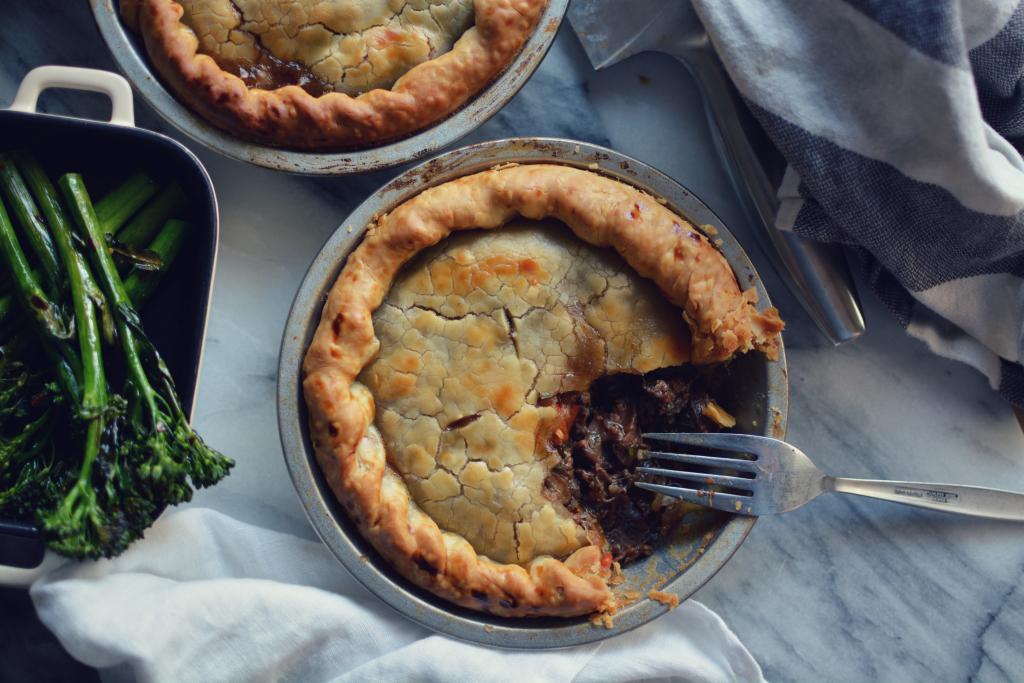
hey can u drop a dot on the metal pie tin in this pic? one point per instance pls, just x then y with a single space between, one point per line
131 58
756 389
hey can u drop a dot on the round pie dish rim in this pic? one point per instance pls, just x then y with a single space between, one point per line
132 61
356 553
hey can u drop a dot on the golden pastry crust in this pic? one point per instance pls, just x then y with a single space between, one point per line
348 46
289 116
658 244
474 335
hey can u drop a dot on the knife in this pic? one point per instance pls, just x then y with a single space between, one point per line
817 273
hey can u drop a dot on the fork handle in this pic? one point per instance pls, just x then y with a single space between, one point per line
976 501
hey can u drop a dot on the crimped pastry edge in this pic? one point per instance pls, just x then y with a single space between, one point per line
289 117
657 243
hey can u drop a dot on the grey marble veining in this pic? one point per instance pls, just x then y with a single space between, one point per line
843 589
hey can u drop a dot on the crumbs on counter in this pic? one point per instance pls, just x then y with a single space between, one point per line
644 80
627 598
665 598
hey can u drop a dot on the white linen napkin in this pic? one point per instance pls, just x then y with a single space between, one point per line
205 597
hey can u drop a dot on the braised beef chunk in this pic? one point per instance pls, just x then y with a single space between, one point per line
599 454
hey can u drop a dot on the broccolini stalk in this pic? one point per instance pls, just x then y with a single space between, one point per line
147 224
140 283
49 325
46 194
37 303
25 210
79 522
86 522
80 526
124 200
7 307
175 450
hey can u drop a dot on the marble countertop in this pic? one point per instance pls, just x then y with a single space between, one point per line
844 589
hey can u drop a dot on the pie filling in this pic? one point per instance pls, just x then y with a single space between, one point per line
267 72
474 394
601 447
347 46
511 392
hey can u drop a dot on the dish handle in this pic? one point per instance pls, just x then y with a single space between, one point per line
16 577
113 85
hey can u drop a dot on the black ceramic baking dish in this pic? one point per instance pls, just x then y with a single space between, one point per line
104 153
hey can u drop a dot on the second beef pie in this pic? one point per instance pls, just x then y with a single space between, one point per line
322 74
477 380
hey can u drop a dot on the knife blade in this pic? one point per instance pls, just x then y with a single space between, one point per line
817 273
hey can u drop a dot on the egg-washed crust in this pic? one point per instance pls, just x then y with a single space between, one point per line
657 243
348 46
290 117
476 335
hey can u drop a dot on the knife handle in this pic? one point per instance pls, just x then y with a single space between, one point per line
816 272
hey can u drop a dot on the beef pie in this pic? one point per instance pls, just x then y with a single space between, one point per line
321 74
485 335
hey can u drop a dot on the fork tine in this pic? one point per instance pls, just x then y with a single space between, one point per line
711 479
745 443
726 502
707 461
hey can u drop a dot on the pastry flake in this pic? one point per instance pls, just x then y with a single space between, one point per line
426 511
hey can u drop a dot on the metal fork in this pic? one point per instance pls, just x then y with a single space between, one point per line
784 479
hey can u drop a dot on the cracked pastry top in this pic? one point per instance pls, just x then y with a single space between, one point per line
321 74
472 338
430 375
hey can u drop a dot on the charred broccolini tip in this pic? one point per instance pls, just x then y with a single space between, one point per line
174 450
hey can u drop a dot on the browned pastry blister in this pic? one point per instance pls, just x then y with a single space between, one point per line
439 450
377 77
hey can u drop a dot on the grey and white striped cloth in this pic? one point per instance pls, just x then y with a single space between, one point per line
903 125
